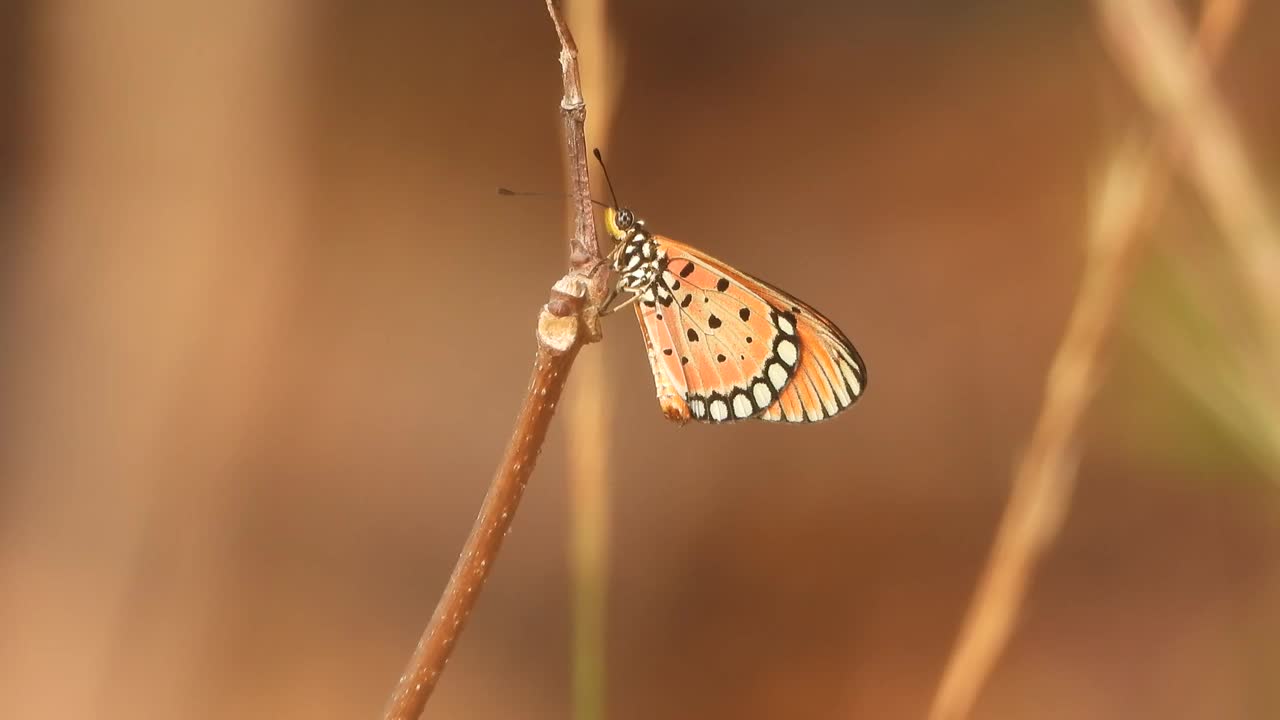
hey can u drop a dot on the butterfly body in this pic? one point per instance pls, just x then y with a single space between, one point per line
723 345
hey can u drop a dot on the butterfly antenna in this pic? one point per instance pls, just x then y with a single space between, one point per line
508 192
599 159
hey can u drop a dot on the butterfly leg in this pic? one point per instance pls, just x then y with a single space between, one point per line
614 295
604 304
617 250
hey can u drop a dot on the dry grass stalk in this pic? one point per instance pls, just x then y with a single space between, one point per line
1130 197
587 409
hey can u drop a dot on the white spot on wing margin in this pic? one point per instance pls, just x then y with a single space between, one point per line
788 352
761 393
698 407
786 325
719 410
777 375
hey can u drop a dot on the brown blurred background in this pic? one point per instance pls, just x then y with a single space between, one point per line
265 326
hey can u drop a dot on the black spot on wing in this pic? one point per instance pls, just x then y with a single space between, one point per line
687 271
692 335
722 284
713 322
745 314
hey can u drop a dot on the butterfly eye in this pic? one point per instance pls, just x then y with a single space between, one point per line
625 219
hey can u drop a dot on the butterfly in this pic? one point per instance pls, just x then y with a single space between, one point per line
725 346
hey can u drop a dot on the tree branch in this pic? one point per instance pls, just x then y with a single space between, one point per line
1129 202
568 320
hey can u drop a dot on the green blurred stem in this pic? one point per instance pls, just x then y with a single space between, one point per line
589 597
589 534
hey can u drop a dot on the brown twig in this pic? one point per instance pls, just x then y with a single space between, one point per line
585 257
1045 479
568 320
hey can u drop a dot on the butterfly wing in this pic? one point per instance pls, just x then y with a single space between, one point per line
726 346
668 375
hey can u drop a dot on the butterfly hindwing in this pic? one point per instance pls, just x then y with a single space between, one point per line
726 346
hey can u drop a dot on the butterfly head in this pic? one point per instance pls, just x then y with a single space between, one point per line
621 222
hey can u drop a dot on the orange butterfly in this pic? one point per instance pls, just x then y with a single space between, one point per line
726 346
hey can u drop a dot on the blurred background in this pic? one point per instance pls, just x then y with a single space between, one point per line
265 325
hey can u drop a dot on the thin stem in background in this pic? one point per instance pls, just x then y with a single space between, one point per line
1128 201
588 415
568 320
1145 37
